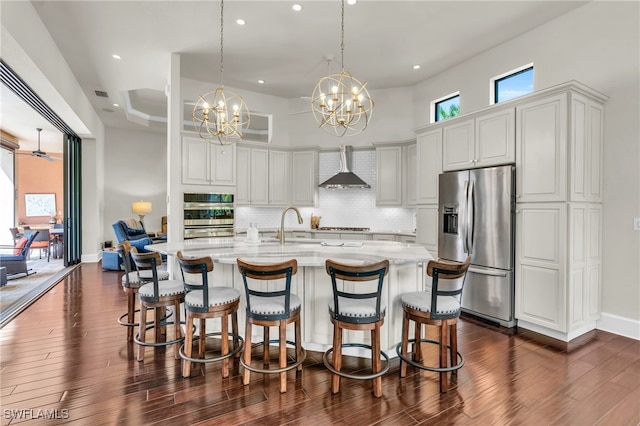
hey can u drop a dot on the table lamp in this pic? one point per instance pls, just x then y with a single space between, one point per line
141 208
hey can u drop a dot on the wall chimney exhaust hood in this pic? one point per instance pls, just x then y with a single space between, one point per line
345 177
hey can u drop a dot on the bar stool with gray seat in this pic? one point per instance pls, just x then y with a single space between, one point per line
438 306
359 309
131 282
276 308
153 295
201 302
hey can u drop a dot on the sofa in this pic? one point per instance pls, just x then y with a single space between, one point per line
132 230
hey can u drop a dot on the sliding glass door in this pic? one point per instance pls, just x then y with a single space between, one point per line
72 204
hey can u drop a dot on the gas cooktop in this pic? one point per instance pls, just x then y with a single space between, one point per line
341 228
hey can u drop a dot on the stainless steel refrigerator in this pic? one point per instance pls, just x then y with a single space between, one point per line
476 218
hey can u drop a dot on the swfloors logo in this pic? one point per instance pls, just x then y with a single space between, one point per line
36 413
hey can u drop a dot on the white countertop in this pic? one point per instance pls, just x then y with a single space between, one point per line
307 252
334 231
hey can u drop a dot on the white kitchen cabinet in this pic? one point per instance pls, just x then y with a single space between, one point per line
204 163
541 149
483 141
278 178
304 178
389 176
541 231
410 157
427 227
429 165
495 138
585 148
458 145
252 186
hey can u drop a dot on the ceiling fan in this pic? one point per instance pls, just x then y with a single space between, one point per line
41 154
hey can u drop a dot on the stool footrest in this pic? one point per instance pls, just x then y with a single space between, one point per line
219 358
121 320
426 367
325 360
303 356
137 340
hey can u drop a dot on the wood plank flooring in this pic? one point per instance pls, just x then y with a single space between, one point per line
65 359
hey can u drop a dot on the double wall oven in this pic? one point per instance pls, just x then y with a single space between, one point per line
208 215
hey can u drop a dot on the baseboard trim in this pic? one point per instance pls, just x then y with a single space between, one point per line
622 326
91 258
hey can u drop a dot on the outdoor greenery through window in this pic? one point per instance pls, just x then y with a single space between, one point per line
513 85
447 108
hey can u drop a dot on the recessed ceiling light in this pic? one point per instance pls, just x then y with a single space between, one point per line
416 67
352 2
115 56
297 7
261 81
116 105
240 21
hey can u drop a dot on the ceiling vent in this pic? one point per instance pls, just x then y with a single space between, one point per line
101 94
345 178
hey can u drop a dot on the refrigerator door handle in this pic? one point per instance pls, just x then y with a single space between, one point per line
465 223
491 272
470 218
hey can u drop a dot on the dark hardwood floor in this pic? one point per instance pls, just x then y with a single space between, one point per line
67 357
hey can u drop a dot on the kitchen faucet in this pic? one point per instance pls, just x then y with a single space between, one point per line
282 221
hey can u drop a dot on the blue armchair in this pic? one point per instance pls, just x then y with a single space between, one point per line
137 237
16 260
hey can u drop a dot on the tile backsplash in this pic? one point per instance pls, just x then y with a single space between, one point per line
337 207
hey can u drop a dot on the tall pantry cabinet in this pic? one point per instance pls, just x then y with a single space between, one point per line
559 142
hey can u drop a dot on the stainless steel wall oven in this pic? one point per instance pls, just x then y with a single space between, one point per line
208 215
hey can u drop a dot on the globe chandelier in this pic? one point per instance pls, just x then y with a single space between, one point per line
340 103
221 115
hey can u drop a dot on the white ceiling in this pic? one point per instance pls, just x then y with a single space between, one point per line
288 50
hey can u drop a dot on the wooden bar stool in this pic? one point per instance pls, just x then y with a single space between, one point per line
357 310
439 306
276 308
131 282
153 295
202 302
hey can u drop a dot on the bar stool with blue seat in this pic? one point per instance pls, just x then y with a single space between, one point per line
359 309
276 308
439 306
158 295
201 302
131 282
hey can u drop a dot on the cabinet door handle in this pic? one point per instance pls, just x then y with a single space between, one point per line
517 211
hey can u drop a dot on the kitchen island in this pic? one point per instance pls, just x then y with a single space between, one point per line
311 283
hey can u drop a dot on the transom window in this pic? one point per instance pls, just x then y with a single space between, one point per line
512 84
445 107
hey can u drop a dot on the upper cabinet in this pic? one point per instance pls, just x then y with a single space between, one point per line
396 174
262 177
204 163
541 149
304 178
278 177
483 141
428 166
389 176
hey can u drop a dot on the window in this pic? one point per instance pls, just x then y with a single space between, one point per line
445 107
512 84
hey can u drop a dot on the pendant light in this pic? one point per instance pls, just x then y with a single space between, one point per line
221 115
340 103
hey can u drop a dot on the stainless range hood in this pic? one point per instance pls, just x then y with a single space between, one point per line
345 177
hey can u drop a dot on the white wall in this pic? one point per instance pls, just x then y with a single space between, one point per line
598 45
137 170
